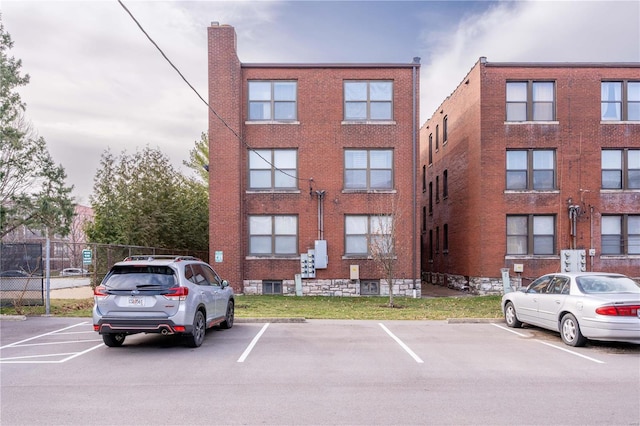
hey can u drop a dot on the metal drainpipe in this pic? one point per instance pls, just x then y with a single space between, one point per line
416 62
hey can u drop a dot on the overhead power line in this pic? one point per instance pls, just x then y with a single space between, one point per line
235 133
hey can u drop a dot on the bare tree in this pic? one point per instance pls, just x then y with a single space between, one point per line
384 241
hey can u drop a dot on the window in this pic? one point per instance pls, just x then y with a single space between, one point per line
430 197
620 101
437 189
530 235
445 238
533 169
273 100
430 148
368 169
445 184
273 169
271 287
620 168
424 219
361 232
424 178
444 129
620 234
437 137
431 244
273 235
368 100
530 101
369 287
437 239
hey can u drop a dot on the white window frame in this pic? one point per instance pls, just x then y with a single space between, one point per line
364 97
269 101
275 166
269 234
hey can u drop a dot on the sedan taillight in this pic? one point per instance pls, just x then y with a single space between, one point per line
177 293
618 311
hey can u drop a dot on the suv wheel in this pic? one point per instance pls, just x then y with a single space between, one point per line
196 338
228 319
113 340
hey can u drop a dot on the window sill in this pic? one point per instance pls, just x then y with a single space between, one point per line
368 191
356 257
619 191
272 191
531 191
531 256
272 257
619 122
619 256
251 122
368 122
530 122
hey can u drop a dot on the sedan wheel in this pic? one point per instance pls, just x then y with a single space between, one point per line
510 316
196 338
228 319
570 331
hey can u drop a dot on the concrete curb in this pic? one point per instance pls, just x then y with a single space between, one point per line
270 320
13 317
474 320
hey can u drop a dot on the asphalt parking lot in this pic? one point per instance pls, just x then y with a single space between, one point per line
57 371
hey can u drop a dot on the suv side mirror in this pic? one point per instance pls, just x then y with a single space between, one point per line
225 283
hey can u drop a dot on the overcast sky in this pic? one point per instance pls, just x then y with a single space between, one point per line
98 83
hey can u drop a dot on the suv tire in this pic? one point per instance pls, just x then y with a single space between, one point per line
196 337
228 319
113 340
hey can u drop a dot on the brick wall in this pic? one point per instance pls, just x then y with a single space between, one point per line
320 135
475 157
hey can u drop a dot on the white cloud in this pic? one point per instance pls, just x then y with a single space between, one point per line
537 31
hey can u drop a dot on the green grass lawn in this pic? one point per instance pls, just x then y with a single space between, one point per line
317 307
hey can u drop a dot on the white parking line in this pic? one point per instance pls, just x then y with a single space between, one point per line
401 343
508 329
38 359
551 345
41 335
247 351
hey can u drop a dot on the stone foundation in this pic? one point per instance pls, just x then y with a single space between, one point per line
338 287
479 286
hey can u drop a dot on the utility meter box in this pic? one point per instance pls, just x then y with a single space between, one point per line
322 259
573 260
354 272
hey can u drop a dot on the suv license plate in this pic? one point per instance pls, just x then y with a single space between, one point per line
136 301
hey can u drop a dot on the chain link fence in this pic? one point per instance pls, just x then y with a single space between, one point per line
23 265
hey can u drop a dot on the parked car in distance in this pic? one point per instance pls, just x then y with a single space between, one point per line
580 306
71 272
14 273
170 295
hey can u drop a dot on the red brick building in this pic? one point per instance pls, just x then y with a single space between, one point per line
311 159
524 161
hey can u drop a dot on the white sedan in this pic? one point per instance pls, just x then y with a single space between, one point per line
580 306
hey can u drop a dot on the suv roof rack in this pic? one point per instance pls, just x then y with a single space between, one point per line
159 257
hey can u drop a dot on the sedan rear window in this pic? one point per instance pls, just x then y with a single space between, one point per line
607 284
140 277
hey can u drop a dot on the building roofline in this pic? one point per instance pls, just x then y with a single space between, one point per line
562 64
330 65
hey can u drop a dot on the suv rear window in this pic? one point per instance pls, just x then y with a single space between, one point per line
139 277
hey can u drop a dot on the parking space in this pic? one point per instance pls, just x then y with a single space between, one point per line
56 346
316 372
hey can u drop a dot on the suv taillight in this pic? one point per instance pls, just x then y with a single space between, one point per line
177 293
100 292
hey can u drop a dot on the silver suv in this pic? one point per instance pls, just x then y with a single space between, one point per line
161 294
